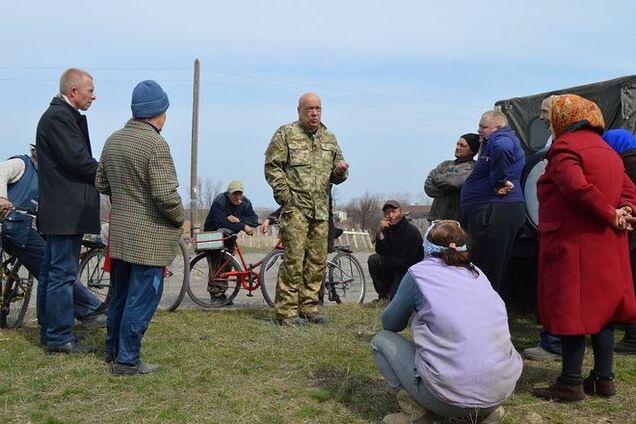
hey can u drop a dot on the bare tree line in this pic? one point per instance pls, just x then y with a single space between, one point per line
365 212
207 189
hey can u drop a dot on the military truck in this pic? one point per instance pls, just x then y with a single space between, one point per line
617 100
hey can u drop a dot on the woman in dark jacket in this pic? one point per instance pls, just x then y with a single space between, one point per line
624 143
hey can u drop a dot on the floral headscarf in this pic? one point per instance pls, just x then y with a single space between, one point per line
569 111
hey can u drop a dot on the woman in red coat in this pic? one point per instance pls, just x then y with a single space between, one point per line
585 202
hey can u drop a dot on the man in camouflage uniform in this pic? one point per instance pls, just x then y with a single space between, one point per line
301 162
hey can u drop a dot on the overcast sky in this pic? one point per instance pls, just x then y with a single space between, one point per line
399 80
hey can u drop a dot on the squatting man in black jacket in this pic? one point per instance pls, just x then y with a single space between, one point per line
398 245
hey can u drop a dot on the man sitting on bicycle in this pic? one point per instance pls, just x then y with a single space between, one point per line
231 213
19 187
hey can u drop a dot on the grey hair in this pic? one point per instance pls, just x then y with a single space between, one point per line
498 116
72 77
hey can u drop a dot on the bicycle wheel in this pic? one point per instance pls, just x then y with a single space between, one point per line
175 281
91 273
17 288
200 279
346 278
269 275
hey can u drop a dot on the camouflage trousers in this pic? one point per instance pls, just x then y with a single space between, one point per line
303 267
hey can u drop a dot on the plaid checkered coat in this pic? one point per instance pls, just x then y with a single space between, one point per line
137 171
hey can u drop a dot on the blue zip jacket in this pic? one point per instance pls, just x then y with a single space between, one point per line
501 159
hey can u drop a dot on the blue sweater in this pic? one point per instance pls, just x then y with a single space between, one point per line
501 159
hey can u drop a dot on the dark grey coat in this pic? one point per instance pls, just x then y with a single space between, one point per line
444 184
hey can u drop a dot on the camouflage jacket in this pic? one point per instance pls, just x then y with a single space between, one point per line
299 166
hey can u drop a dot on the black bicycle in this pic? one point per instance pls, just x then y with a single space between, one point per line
97 279
343 281
16 286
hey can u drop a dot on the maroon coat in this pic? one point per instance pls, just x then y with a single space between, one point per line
584 271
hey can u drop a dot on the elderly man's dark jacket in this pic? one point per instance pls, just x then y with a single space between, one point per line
222 208
401 247
69 202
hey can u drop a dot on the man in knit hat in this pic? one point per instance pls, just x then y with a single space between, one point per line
137 171
68 206
231 212
444 183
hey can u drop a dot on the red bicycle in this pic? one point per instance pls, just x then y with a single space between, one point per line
224 271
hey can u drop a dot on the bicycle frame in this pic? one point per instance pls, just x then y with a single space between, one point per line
11 289
15 292
248 278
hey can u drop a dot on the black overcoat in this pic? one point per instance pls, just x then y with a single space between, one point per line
69 202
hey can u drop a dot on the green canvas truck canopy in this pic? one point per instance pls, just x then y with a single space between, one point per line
615 97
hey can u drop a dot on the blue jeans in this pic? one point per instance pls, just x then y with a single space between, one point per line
549 342
135 294
395 358
32 257
55 289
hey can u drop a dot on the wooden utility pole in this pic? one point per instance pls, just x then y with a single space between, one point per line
194 195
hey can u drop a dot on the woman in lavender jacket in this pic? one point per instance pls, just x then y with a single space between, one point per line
461 361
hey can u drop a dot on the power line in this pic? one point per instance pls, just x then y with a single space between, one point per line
346 90
263 89
249 77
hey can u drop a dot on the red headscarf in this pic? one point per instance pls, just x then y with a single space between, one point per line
569 109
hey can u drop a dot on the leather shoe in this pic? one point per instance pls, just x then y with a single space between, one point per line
220 300
95 321
71 348
315 317
291 322
140 368
560 392
593 385
538 353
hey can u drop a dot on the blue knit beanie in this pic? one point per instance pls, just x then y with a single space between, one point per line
148 100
